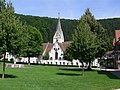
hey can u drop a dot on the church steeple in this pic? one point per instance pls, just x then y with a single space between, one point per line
58 37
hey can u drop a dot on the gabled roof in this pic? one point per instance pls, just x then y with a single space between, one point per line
64 45
117 36
117 32
48 46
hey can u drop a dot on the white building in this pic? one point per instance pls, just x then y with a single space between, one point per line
58 46
55 51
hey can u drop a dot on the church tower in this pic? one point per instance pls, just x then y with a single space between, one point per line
58 37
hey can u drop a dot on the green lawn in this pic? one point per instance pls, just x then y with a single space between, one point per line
56 78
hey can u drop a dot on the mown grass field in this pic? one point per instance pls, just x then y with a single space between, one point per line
41 77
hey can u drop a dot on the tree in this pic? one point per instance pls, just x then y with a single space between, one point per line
89 39
10 31
33 44
84 42
68 53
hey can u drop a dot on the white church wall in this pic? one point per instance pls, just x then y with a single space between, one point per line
59 51
60 40
60 54
52 54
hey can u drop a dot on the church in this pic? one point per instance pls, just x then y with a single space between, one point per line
55 50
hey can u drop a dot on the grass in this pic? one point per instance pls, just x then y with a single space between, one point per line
41 77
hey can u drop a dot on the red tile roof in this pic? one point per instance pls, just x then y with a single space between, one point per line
117 36
48 46
117 32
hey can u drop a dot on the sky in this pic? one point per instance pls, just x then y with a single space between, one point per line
69 9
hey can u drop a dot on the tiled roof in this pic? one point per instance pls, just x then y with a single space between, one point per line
117 36
66 44
48 46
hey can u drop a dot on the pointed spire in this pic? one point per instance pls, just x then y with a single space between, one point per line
59 33
58 15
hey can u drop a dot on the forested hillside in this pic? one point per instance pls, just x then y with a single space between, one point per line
47 26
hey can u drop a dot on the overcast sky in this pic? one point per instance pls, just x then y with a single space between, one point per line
70 9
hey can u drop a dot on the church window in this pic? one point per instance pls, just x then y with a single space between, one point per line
50 58
56 55
59 58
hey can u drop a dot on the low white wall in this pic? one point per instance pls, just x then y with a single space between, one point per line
54 62
66 62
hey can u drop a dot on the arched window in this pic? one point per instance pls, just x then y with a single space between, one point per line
56 55
51 58
59 58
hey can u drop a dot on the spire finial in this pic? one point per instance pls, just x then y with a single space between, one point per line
59 15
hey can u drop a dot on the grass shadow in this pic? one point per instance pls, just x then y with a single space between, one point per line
8 76
69 74
109 74
74 69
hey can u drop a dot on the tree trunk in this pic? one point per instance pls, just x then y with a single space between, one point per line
82 69
3 74
28 60
89 66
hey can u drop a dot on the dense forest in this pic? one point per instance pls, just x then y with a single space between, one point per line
47 26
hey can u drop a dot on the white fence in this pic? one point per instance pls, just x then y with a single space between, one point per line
53 62
66 62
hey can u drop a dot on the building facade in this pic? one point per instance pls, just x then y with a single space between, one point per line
57 47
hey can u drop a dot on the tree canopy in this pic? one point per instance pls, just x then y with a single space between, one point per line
33 43
15 36
47 26
89 40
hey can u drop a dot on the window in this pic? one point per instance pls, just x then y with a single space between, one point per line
56 55
51 58
59 58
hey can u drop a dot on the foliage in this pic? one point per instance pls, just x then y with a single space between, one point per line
89 40
9 30
1 56
33 43
68 53
15 37
46 57
47 26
